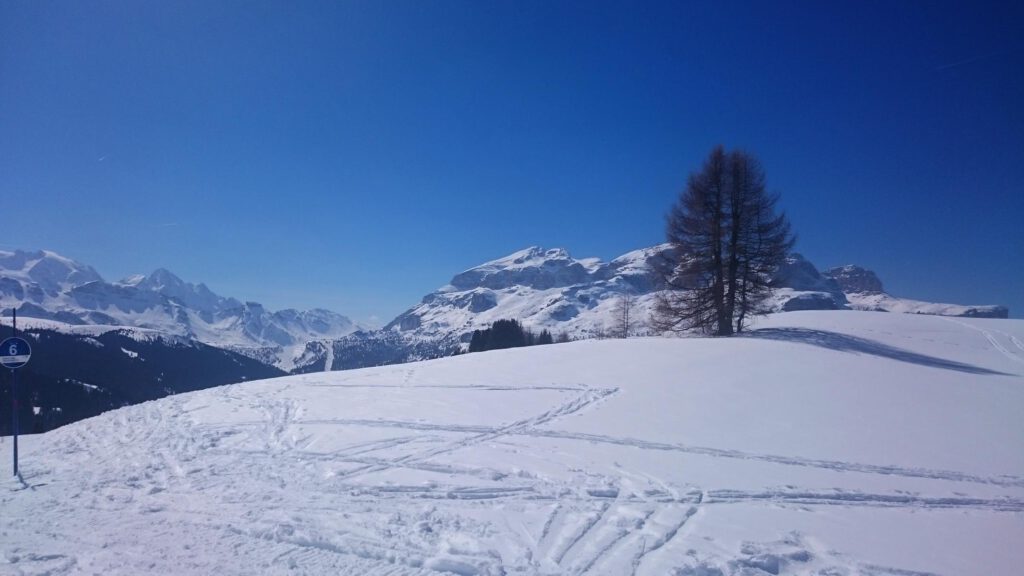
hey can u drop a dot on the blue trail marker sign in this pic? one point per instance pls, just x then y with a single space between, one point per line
15 352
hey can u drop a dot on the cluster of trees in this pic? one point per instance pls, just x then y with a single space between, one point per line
509 334
728 241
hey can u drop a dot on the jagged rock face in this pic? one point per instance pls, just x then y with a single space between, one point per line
544 289
410 322
799 274
811 301
482 301
533 268
196 297
856 280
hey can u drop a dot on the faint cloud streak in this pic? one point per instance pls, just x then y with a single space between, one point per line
972 60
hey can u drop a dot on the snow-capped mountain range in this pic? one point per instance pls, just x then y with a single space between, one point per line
46 285
543 289
550 290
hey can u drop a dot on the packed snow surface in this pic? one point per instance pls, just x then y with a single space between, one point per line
832 443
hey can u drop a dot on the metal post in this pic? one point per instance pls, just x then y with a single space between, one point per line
14 419
14 395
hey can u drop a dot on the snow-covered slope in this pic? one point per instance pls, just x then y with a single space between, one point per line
822 443
80 371
49 286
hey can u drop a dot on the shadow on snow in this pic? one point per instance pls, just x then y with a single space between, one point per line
847 343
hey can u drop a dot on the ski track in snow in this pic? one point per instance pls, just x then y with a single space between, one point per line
593 531
524 428
586 399
585 533
993 340
194 477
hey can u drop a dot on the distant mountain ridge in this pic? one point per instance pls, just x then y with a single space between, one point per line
102 345
550 290
545 289
46 285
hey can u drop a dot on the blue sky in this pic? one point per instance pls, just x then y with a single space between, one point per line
356 155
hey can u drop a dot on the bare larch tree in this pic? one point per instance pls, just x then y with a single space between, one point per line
623 316
727 240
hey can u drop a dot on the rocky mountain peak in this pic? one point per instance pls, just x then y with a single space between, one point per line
47 270
856 279
533 267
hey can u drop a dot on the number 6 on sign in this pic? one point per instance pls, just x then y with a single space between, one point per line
14 352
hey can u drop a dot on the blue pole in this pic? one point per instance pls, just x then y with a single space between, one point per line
14 420
14 396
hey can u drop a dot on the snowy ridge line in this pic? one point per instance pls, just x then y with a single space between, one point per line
837 465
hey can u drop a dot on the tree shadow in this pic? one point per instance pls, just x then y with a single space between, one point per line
847 343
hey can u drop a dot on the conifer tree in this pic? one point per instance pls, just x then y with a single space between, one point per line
727 240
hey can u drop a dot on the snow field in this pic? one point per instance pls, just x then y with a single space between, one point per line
822 443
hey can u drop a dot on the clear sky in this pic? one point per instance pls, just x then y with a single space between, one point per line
356 155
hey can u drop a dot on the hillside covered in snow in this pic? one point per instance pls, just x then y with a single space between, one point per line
79 371
822 442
